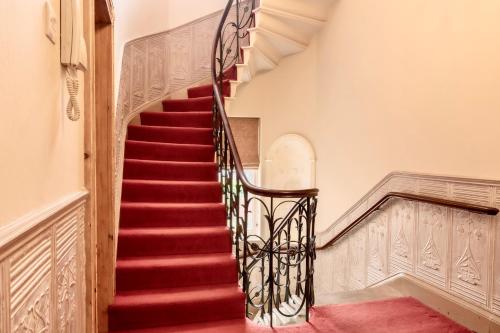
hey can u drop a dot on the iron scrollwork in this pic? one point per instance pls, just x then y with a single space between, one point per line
275 264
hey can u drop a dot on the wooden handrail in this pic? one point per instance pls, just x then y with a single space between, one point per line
478 209
227 128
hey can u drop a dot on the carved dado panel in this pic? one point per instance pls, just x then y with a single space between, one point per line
432 243
454 250
377 246
43 273
434 188
340 267
357 256
30 286
470 255
402 235
496 266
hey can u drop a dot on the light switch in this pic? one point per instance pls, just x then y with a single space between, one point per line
51 21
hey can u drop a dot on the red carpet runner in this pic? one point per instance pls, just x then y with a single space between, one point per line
174 264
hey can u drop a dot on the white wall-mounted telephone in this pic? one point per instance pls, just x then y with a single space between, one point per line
73 51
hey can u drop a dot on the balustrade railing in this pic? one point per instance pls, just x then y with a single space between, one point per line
275 263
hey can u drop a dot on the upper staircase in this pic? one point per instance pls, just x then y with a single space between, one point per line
281 28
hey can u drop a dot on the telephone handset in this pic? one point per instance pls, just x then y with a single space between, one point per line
73 51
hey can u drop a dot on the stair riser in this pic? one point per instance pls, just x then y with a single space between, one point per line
153 245
175 276
185 119
177 314
166 193
158 152
201 104
157 217
157 171
171 135
207 90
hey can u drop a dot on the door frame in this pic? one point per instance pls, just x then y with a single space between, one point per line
99 162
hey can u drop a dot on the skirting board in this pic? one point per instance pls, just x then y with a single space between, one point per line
42 269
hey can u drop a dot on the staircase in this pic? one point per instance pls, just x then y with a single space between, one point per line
183 184
282 28
174 264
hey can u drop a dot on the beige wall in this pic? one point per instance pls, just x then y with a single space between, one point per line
411 85
138 18
41 151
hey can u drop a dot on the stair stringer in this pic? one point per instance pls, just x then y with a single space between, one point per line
282 28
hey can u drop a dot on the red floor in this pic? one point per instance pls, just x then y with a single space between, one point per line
402 315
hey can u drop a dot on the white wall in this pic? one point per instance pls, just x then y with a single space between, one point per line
410 85
41 151
138 18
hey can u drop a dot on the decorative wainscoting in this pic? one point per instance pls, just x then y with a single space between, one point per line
453 250
42 264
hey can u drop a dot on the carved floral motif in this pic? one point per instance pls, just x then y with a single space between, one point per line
431 257
66 298
468 269
36 319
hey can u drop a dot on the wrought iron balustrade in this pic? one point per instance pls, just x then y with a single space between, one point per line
275 264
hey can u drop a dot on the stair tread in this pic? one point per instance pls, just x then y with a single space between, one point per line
192 184
172 128
175 163
176 295
168 144
174 260
173 205
173 231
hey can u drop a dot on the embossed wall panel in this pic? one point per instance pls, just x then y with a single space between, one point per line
432 243
357 258
30 280
377 247
139 74
402 235
496 266
456 251
157 59
43 286
180 57
340 263
403 184
477 194
470 255
433 188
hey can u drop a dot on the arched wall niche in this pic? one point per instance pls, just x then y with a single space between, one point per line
290 163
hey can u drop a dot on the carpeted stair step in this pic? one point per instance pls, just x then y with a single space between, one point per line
170 191
173 241
166 170
190 104
207 90
143 273
176 307
200 119
164 215
168 151
231 73
188 135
